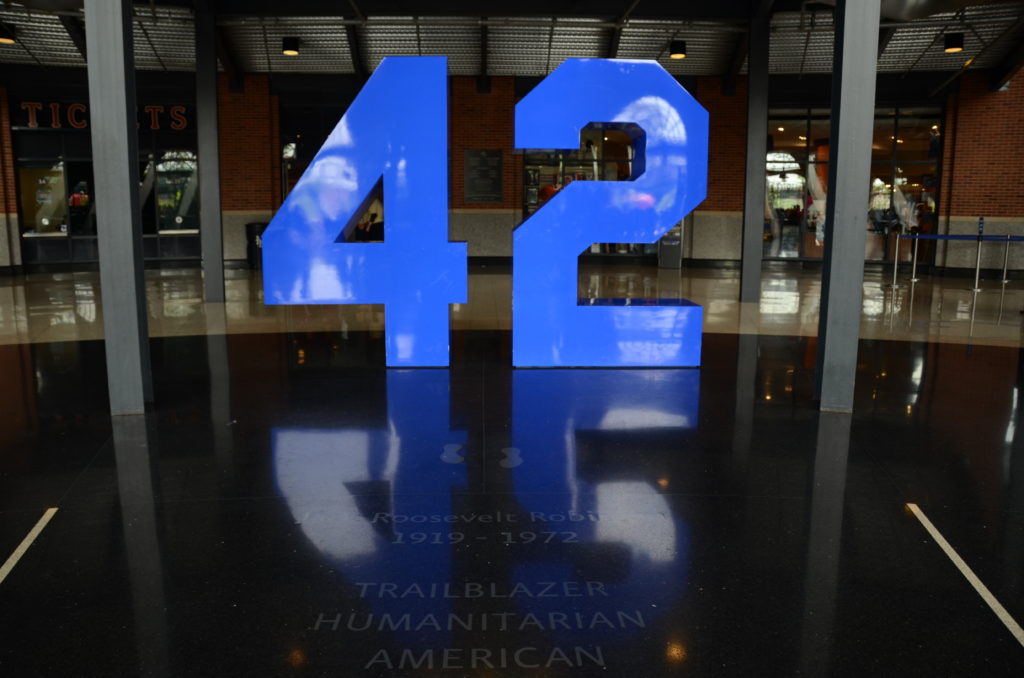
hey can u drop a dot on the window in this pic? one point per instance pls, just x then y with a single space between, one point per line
43 196
905 152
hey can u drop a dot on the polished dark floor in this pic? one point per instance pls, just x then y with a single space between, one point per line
291 507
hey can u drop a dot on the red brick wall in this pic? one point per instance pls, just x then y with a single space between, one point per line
7 194
727 143
483 122
983 163
250 149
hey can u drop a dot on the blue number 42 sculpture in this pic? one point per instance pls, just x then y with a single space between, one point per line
396 131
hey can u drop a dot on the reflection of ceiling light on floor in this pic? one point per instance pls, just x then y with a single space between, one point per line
675 652
297 657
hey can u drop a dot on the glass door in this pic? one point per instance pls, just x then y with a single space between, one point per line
43 196
177 184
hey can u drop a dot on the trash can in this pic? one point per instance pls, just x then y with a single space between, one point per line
670 248
254 244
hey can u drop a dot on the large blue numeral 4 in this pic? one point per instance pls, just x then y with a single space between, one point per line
550 325
396 129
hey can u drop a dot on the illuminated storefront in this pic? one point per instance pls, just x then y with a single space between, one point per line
52 158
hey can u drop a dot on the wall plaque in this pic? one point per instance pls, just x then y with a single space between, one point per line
483 182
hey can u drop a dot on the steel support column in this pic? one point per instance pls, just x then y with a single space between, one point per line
757 144
210 228
842 278
115 153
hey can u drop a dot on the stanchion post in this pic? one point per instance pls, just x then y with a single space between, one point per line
895 262
913 264
1006 259
977 258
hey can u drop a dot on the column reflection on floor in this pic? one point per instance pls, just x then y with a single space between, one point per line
142 547
1012 582
828 485
218 362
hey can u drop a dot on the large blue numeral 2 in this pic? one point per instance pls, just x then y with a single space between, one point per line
549 326
397 128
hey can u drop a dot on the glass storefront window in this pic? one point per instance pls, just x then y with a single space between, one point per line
918 139
177 185
81 207
147 195
881 192
883 136
56 190
905 148
818 129
44 206
785 194
789 136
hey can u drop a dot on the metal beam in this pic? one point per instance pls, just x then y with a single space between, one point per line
356 51
355 45
616 36
757 145
76 31
853 107
115 144
884 36
739 55
483 81
1007 68
967 64
485 48
210 227
434 21
226 57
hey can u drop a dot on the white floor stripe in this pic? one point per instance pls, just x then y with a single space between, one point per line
968 574
25 543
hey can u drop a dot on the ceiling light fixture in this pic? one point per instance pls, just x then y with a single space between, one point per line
954 42
290 46
677 49
7 36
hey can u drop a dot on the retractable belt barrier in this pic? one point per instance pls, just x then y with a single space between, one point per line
936 236
979 238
